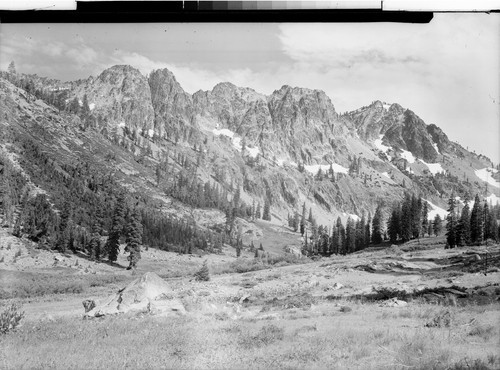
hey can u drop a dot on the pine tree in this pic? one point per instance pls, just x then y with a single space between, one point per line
377 226
303 220
463 227
437 225
11 68
296 221
113 242
425 218
368 231
476 222
266 214
350 236
134 239
394 224
451 223
406 219
310 218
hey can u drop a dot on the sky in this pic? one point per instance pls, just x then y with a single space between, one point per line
447 71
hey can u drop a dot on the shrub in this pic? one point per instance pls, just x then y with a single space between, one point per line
203 274
10 318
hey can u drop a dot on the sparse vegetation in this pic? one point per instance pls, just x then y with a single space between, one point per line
10 318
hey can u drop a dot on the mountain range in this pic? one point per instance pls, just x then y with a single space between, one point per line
288 148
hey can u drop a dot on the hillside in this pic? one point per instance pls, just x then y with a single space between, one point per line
188 160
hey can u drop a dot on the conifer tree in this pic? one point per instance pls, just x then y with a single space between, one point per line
451 223
368 231
310 218
463 226
296 221
394 224
303 220
425 218
350 236
476 222
437 225
406 218
266 214
377 226
113 242
134 239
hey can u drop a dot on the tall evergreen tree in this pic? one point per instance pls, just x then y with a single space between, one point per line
476 222
117 228
463 227
425 218
451 223
303 220
377 225
437 225
350 235
394 224
266 214
134 237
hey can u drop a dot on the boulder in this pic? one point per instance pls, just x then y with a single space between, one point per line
149 293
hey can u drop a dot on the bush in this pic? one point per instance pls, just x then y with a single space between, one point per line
203 274
10 318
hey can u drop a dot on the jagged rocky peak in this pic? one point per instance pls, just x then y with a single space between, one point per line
118 97
173 107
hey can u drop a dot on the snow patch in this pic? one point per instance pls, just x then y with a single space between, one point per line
121 124
151 132
434 168
386 106
380 146
435 210
224 132
253 152
91 106
325 167
386 175
486 174
493 199
436 147
236 141
408 156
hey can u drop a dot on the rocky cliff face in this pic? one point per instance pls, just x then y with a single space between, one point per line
120 96
173 107
292 124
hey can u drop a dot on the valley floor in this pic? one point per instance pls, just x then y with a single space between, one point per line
416 306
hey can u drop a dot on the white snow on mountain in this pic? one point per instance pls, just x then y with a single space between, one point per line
436 147
151 132
121 124
493 199
386 175
236 141
382 147
485 174
91 106
408 156
386 106
325 167
253 152
224 132
435 210
434 168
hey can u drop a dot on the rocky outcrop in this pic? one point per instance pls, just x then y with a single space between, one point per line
173 107
120 96
149 293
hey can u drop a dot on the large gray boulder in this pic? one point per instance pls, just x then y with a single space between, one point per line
149 293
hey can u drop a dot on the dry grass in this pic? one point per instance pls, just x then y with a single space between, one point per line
322 337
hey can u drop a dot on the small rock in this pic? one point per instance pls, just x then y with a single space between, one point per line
89 305
345 309
394 302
